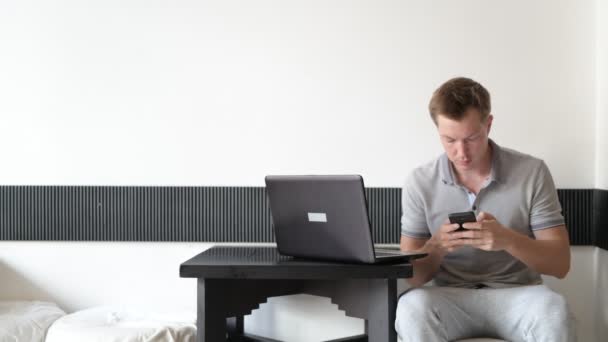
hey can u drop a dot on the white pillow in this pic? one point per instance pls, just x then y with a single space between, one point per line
108 324
26 320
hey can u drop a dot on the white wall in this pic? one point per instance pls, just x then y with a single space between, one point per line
601 304
224 92
79 275
601 151
580 290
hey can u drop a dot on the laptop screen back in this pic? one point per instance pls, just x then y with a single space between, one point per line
322 217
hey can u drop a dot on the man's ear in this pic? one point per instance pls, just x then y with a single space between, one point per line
489 122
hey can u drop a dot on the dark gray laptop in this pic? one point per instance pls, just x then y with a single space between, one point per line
325 217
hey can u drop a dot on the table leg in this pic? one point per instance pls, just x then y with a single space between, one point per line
211 320
236 327
380 325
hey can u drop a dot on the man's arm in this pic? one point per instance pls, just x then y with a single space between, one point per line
436 247
424 268
548 254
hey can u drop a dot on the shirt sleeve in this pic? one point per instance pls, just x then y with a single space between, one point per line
413 219
546 210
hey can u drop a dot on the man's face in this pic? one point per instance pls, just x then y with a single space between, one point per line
466 141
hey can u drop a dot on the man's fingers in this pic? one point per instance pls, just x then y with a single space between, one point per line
477 243
469 234
450 227
472 225
485 216
453 227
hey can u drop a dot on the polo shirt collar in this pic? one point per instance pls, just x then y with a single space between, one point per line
447 172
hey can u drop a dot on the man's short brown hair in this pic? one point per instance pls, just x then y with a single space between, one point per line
453 98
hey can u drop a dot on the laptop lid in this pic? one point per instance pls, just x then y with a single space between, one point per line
323 217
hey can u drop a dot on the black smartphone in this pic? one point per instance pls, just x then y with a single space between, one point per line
460 218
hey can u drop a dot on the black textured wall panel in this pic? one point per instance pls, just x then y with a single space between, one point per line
577 208
84 213
218 214
384 208
600 213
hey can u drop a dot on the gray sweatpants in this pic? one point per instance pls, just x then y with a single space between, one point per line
524 313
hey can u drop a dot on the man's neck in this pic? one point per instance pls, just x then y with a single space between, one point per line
474 178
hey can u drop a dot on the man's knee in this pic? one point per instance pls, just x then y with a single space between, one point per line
415 302
418 316
414 306
550 305
550 313
410 309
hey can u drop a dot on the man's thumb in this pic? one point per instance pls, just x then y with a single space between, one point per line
485 216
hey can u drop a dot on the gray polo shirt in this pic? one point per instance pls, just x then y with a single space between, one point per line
520 193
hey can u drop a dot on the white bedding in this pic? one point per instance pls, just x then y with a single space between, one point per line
113 325
26 320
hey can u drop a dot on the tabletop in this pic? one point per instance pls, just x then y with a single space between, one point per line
244 262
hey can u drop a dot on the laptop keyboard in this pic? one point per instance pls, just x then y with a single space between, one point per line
387 252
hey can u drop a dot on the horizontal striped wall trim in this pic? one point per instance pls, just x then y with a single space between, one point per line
214 214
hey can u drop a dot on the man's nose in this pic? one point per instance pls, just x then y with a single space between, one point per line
461 149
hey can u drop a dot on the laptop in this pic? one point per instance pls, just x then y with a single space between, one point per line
325 217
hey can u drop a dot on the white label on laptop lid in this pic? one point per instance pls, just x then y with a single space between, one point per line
317 217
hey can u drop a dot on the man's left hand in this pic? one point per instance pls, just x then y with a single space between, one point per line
486 234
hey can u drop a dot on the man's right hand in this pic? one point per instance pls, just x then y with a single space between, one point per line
440 244
437 246
443 242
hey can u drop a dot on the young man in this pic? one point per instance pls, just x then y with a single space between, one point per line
487 276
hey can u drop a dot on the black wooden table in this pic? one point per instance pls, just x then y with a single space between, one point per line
233 281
